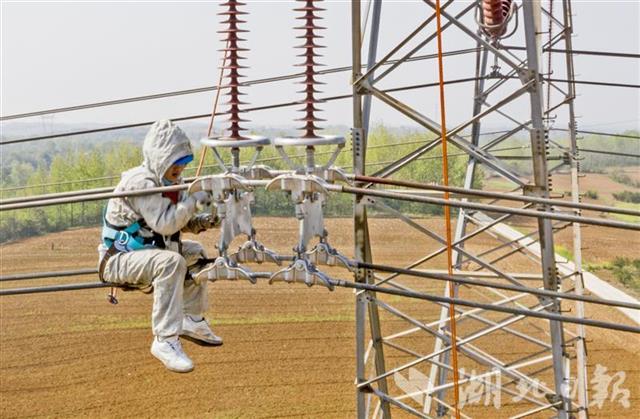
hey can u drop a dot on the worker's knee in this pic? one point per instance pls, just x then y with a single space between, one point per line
171 263
192 251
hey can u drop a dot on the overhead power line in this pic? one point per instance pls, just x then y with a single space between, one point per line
606 134
259 108
206 89
610 153
208 115
596 83
582 52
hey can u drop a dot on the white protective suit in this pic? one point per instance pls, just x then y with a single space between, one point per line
165 269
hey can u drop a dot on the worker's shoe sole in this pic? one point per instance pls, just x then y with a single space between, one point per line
199 341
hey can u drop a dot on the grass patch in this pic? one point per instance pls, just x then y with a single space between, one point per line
281 318
625 270
591 194
111 322
623 178
563 251
625 217
627 196
499 184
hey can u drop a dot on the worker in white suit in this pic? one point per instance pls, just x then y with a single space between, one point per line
141 245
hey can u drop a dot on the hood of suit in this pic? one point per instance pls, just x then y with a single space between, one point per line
164 144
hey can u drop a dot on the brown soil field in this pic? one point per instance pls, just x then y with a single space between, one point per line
289 350
600 182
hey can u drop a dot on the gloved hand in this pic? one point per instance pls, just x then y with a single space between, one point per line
202 222
202 199
206 221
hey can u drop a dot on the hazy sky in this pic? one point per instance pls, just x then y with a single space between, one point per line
67 53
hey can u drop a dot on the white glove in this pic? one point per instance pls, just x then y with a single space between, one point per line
202 199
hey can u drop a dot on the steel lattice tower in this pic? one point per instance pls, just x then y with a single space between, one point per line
563 350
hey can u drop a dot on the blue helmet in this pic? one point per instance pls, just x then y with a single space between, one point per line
183 161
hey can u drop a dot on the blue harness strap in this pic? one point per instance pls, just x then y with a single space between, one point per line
126 239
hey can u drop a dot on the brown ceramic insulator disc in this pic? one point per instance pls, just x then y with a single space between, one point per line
232 85
309 16
494 13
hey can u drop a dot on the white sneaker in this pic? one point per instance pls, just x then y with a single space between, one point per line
200 331
170 353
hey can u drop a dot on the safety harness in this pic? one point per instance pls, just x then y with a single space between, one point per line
127 239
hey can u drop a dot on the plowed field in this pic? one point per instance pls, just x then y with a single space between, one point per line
289 350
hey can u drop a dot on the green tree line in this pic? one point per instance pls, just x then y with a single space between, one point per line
98 165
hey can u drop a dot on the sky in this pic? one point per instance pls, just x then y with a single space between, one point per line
56 54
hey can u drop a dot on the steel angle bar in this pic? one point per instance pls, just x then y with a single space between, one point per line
506 287
483 207
399 404
531 20
373 49
403 161
557 167
40 275
451 135
502 325
430 38
555 86
462 373
462 344
580 344
467 303
501 80
442 241
475 36
362 245
536 410
553 19
458 317
509 330
53 288
496 195
371 68
468 378
499 294
443 249
471 314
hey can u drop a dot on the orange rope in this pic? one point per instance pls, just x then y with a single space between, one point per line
447 219
213 114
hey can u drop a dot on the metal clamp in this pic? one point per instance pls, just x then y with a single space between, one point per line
253 251
324 254
302 270
225 268
233 201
